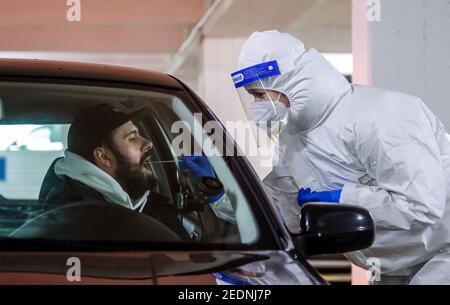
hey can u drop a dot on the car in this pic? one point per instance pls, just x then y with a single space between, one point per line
239 239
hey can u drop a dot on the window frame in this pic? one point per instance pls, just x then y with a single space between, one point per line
272 236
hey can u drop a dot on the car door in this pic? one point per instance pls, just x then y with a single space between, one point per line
237 237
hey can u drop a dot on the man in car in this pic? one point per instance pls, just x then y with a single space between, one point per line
107 159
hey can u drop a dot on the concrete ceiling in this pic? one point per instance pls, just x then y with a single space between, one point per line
148 33
239 18
143 26
141 33
324 24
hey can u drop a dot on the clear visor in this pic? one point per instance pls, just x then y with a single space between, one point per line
264 112
261 104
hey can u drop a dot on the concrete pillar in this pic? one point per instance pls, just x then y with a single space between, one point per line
404 45
219 60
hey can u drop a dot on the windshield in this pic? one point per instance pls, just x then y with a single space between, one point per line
48 193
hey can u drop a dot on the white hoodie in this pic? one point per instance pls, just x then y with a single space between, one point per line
81 170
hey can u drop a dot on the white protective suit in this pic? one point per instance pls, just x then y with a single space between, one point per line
386 151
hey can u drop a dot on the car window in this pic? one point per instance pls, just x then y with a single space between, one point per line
33 137
26 151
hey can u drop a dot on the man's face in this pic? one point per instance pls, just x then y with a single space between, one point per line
130 161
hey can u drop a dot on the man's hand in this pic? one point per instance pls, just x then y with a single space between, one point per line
305 195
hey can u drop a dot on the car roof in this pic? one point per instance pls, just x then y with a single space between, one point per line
84 71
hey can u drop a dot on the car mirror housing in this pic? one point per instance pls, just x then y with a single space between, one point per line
331 228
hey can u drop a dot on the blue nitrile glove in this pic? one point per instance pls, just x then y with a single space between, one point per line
199 166
229 279
305 195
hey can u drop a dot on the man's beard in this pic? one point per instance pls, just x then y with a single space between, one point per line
131 177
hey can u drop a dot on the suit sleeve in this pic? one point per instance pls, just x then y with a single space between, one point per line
404 158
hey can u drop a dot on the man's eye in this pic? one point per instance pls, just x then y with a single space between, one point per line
132 139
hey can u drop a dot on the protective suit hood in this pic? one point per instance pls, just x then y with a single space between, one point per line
314 87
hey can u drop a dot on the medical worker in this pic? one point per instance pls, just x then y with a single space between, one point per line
378 149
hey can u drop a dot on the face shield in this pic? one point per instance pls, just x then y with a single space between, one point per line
261 104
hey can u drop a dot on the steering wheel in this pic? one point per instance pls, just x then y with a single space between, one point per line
95 221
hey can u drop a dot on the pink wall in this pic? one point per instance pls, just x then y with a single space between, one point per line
361 75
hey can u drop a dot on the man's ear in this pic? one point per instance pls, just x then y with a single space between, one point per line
102 157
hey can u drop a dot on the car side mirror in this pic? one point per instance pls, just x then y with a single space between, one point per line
334 228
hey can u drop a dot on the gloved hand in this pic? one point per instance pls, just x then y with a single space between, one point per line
305 195
199 166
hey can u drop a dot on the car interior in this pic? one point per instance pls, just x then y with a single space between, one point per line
37 121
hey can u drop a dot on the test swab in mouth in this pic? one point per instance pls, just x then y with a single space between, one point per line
169 161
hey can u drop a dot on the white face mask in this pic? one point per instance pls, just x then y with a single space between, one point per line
274 115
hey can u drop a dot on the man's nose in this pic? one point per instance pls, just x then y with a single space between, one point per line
147 145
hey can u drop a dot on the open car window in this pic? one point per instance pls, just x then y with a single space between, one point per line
34 123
